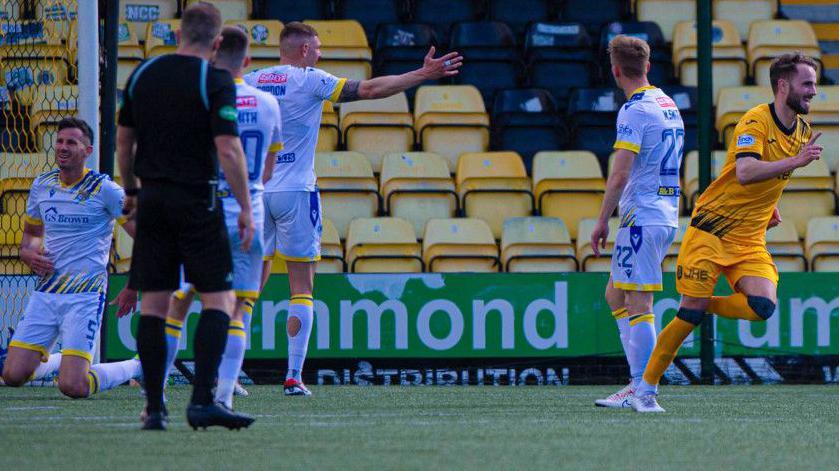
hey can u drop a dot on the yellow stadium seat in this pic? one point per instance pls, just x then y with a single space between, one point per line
377 127
451 120
12 265
13 195
329 134
459 245
123 248
568 185
347 186
743 13
50 104
824 117
822 244
730 68
231 10
669 262
344 49
666 13
690 185
493 186
585 254
417 186
22 72
331 251
265 41
160 37
771 38
383 245
733 102
783 243
11 231
28 165
537 244
809 194
144 12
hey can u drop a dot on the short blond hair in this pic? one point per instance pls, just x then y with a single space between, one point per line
630 54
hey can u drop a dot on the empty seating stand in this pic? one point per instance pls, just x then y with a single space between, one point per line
594 13
771 38
459 245
526 121
401 48
493 58
344 48
377 127
593 112
661 65
264 37
442 14
560 59
383 245
729 64
537 244
372 13
347 186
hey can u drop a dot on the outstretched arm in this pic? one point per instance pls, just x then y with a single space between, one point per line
751 170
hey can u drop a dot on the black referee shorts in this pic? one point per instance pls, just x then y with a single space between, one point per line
177 226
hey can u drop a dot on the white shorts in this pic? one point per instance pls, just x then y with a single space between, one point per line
636 260
75 317
293 225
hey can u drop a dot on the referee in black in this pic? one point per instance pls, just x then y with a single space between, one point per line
178 123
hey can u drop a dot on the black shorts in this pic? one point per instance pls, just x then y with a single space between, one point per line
180 225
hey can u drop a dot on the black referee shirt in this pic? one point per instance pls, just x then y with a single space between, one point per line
177 104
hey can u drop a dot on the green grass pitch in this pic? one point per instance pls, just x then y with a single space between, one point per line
728 427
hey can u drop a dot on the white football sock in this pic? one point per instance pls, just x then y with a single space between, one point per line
110 375
173 339
231 363
47 368
301 307
641 344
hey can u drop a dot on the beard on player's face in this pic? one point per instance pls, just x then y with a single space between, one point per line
798 102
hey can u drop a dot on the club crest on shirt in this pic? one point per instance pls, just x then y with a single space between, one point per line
745 140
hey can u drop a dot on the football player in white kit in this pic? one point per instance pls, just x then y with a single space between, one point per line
259 129
67 233
292 203
645 177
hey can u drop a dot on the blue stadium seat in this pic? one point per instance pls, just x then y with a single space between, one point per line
687 100
559 58
295 10
594 13
592 113
661 62
493 60
520 14
526 121
444 13
400 48
372 13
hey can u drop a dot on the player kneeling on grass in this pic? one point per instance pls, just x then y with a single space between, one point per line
67 232
645 177
727 232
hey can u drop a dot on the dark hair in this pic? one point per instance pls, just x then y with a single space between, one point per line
200 24
296 28
233 47
786 66
630 55
71 122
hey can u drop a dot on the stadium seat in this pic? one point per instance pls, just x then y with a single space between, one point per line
442 14
669 262
493 59
450 120
13 195
537 244
344 48
729 65
347 186
690 185
742 13
521 13
732 103
51 103
33 53
585 254
11 233
822 244
594 13
265 41
661 65
824 117
28 165
808 194
383 245
160 37
783 243
142 13
559 58
526 121
401 48
666 13
593 112
129 52
331 251
568 185
295 10
493 186
459 245
376 127
771 38
372 13
417 186
329 134
231 10
687 100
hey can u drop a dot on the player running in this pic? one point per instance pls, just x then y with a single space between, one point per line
645 177
67 232
727 232
292 202
259 130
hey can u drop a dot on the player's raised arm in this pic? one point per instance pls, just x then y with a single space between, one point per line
750 169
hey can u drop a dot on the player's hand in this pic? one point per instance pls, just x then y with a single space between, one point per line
129 207
810 151
246 229
775 219
599 236
126 300
445 66
38 260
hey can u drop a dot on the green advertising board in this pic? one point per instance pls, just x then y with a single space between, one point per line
438 316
